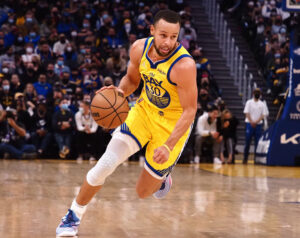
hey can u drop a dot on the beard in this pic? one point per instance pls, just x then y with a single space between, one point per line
160 53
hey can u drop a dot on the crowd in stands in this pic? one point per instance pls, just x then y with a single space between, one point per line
55 54
267 27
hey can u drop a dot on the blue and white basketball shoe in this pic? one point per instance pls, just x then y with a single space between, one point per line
69 225
164 189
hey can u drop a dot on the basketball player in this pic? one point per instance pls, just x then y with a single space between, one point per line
162 117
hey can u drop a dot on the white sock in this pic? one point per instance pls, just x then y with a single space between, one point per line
78 209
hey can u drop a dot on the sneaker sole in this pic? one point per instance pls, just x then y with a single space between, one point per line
67 234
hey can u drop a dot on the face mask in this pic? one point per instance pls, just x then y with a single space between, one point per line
5 70
74 33
60 63
65 107
69 48
204 84
32 34
81 109
29 50
85 25
11 21
88 16
65 80
82 51
260 29
188 37
257 95
29 19
20 38
30 70
196 57
5 87
187 25
198 65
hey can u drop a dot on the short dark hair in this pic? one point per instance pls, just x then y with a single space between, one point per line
168 15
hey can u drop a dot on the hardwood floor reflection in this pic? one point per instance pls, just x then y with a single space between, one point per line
249 201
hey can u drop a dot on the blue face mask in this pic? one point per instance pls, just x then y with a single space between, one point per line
11 21
86 25
32 34
5 87
29 20
64 107
60 62
198 65
20 38
88 16
188 37
82 51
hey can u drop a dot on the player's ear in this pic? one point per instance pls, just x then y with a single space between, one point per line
152 30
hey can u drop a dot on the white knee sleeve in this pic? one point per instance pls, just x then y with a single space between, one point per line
118 150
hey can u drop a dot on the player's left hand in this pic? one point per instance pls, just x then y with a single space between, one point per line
161 155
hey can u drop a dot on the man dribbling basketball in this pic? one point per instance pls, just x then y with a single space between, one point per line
162 117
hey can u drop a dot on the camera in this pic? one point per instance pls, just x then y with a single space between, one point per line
10 114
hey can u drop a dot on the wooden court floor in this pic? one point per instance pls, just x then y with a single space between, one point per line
206 201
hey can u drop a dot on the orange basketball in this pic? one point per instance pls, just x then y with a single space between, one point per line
109 108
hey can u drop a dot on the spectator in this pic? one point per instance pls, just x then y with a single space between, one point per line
41 134
86 131
12 135
30 95
207 132
45 53
193 34
8 59
63 125
67 87
92 82
16 85
228 130
42 87
255 111
28 56
70 55
52 78
59 46
6 95
60 66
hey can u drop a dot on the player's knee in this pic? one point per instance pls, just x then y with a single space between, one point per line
104 167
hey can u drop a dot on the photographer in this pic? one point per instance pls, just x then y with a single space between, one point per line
12 137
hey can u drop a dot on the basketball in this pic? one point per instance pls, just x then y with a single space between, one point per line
109 108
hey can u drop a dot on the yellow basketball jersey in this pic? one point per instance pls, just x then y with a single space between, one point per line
159 91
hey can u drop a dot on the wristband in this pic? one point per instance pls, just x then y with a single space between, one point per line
167 147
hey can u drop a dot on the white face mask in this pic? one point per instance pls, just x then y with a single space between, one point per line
29 50
5 70
69 48
260 29
74 33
